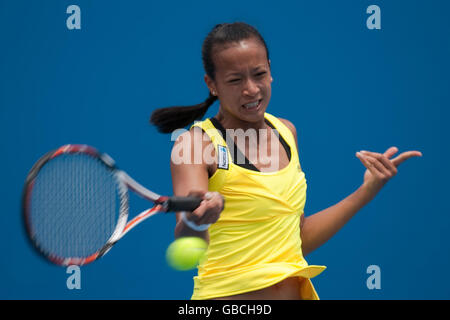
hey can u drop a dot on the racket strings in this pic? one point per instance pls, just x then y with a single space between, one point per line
74 206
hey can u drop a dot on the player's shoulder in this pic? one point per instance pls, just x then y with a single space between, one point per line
194 136
193 147
290 125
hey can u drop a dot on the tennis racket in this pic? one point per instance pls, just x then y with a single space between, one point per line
75 204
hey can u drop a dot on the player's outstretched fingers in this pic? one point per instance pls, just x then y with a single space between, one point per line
405 156
368 164
382 163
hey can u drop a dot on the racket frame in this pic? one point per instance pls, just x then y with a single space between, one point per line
124 182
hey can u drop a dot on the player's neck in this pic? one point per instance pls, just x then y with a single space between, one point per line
232 122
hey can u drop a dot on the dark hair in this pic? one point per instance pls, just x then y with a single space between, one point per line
171 118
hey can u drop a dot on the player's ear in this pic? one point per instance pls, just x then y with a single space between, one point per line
211 85
271 79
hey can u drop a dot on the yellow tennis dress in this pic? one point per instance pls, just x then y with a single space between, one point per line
256 241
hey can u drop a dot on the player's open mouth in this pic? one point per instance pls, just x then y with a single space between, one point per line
254 105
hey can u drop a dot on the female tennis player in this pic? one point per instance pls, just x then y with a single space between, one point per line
250 179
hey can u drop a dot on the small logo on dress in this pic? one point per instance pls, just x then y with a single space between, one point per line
222 157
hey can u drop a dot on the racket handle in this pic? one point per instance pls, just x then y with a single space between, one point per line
182 203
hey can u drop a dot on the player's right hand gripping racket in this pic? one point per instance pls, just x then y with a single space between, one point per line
75 204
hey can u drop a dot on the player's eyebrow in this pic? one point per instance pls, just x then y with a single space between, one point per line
237 73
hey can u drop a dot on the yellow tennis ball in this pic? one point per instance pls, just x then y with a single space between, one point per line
185 253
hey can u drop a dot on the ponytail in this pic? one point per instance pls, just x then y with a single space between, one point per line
171 118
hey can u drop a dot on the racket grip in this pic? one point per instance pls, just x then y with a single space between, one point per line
183 203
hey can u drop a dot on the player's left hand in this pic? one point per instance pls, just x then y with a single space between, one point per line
380 168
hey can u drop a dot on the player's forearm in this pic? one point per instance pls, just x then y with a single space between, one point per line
321 226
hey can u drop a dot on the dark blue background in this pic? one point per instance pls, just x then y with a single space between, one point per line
346 88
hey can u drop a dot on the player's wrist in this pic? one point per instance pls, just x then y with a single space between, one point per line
192 224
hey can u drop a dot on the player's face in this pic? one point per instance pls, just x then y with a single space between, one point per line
242 80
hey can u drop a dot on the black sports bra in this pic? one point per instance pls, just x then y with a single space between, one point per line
238 154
